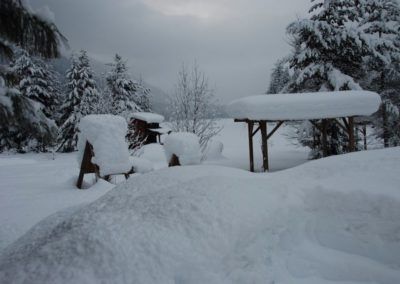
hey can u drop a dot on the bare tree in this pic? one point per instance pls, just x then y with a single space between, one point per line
192 106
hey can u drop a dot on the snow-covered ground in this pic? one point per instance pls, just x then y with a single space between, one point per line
33 186
334 220
327 221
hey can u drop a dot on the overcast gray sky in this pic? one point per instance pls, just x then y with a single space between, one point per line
235 42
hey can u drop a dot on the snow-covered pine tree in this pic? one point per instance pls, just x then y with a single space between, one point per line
24 126
127 96
381 25
280 77
123 90
87 86
20 26
328 55
328 48
20 117
35 81
81 99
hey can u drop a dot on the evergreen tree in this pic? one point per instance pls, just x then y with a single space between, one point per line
329 50
328 55
35 82
381 25
87 86
24 126
280 77
28 30
81 99
127 95
22 119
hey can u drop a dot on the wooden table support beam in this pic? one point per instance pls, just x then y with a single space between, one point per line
264 144
352 145
250 125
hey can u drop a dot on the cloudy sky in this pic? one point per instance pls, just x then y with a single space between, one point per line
235 42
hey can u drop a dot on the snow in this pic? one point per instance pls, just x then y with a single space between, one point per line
305 106
34 186
185 146
141 165
148 117
107 135
214 150
333 220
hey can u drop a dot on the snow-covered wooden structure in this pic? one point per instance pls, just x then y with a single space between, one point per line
102 148
147 126
182 149
342 106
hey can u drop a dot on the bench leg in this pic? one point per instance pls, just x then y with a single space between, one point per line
80 179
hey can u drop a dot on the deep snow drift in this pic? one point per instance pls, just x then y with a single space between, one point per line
335 219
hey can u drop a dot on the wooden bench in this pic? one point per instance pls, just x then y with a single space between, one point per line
87 167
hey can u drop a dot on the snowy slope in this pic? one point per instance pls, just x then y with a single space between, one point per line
331 220
33 186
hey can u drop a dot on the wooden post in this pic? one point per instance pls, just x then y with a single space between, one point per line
352 146
251 154
365 136
264 144
324 138
86 165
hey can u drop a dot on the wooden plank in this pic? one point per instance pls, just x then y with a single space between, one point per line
264 144
275 129
255 131
86 165
250 125
364 131
352 144
324 138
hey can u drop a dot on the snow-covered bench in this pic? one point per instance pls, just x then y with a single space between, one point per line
182 148
102 147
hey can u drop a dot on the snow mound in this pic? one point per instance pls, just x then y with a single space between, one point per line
214 150
305 105
141 165
107 135
185 146
207 224
148 117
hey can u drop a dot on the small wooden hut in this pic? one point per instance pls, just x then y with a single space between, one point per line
147 126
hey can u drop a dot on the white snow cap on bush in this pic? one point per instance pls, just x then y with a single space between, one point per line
305 105
107 135
185 146
148 117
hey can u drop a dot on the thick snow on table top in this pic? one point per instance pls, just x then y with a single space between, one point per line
148 117
305 105
107 135
335 220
